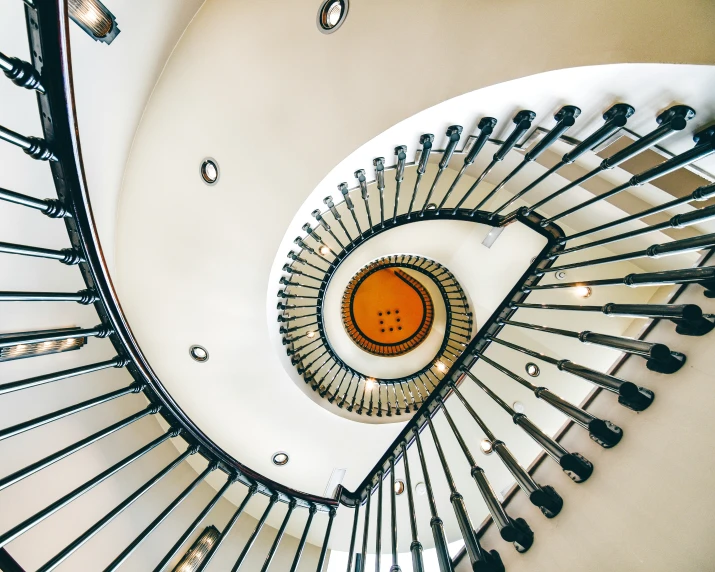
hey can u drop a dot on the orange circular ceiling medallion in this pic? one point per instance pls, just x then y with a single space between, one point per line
386 311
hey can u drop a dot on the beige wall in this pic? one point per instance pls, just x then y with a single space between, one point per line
649 504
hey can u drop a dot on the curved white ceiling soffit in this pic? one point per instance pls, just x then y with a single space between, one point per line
282 108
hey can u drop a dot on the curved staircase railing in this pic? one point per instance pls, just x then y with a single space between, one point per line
49 74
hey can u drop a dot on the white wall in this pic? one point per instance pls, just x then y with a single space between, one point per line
649 504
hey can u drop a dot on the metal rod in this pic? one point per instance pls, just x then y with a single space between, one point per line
53 335
84 297
21 73
119 560
252 539
324 548
67 411
303 538
379 164
378 532
33 146
366 530
52 208
426 142
117 362
615 118
440 541
416 545
37 466
351 550
453 134
393 518
66 256
194 525
227 529
401 154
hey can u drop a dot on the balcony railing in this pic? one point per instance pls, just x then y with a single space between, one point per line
49 75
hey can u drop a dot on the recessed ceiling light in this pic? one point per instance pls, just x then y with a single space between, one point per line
209 171
432 207
518 406
560 275
369 383
199 353
399 487
441 367
532 369
486 446
421 489
280 458
582 291
324 250
310 334
331 15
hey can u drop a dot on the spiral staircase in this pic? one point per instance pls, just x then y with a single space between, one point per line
601 239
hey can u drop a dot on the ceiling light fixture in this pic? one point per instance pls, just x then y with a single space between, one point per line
441 367
21 351
94 18
331 15
310 334
195 556
486 446
199 353
518 406
582 291
370 383
532 369
280 458
324 250
399 487
210 171
560 275
421 489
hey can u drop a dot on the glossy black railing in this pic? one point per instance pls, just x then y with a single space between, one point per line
346 225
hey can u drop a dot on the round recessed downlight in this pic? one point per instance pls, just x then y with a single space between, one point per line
399 487
199 353
421 489
560 275
280 458
486 446
209 171
331 15
532 369
582 291
518 406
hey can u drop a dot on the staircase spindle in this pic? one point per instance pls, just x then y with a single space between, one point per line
393 518
353 535
379 164
65 256
426 142
362 182
256 531
326 539
480 558
21 73
33 146
301 544
401 154
436 524
486 127
453 134
416 545
546 498
52 208
378 531
343 188
615 118
366 530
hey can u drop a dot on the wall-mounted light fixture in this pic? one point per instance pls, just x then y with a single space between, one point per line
94 18
198 551
20 351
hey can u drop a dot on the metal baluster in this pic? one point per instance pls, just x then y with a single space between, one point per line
440 541
303 538
575 465
453 134
700 194
194 525
100 524
615 118
659 357
99 331
336 215
52 208
393 518
677 221
366 530
33 146
401 154
351 550
565 118
511 530
65 256
362 181
324 223
379 164
546 498
522 123
603 432
254 534
378 533
426 142
704 146
317 238
227 529
25 472
117 362
486 126
416 545
84 297
21 73
67 411
705 276
670 121
324 548
343 188
119 560
480 558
